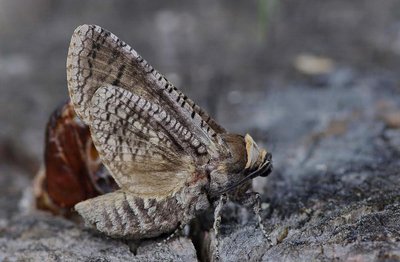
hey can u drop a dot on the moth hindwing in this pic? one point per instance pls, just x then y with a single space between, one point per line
167 155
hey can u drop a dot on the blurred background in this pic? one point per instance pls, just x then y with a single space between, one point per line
246 62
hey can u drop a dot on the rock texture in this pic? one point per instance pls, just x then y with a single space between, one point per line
42 237
333 195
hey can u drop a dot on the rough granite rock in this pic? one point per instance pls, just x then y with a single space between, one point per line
333 195
42 237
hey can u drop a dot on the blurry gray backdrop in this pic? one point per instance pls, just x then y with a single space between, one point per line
229 56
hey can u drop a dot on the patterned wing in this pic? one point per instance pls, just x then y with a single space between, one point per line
149 135
141 143
97 57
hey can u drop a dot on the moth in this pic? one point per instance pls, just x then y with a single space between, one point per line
170 159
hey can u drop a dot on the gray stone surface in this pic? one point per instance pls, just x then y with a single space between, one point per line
42 237
334 194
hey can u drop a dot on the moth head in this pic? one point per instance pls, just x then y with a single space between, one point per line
259 161
246 161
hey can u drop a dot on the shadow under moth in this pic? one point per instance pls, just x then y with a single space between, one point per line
170 159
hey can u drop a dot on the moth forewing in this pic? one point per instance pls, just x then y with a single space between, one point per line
134 146
168 156
96 57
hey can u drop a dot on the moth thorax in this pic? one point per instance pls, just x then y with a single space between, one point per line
255 155
237 148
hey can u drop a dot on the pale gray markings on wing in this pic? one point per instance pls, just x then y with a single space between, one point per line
131 59
107 102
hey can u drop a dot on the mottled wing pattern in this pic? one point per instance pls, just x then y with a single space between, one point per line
138 142
96 57
149 135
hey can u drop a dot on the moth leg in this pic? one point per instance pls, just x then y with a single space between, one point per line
176 232
217 222
257 209
253 199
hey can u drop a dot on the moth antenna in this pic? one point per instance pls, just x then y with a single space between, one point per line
252 175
